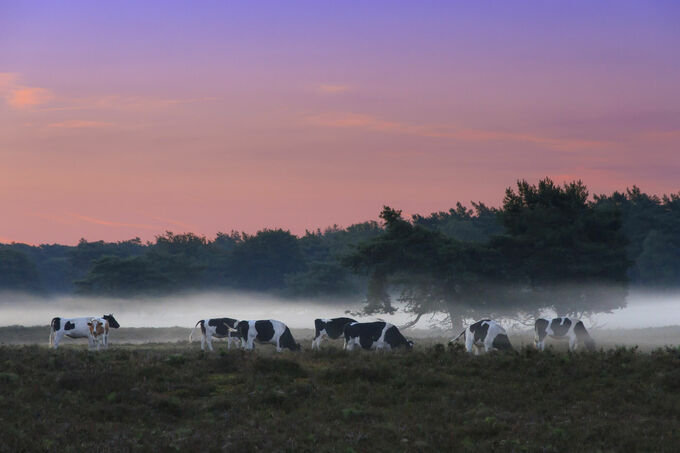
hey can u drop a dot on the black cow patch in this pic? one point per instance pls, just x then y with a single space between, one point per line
501 342
334 327
243 327
541 327
560 326
112 321
56 324
69 325
479 329
367 332
395 339
582 335
287 341
222 325
265 330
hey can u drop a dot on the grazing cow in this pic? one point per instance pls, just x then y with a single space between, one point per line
332 328
218 328
487 334
374 335
99 331
78 328
561 329
266 331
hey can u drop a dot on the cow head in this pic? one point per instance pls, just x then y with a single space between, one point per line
112 321
97 326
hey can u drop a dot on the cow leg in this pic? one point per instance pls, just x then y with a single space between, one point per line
228 341
208 340
202 342
90 342
572 343
57 338
469 343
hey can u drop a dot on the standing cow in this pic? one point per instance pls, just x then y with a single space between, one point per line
562 329
99 331
77 328
267 331
218 328
333 328
374 335
487 334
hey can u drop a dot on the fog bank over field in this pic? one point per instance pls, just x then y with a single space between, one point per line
644 309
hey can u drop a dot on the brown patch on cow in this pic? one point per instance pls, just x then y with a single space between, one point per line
97 328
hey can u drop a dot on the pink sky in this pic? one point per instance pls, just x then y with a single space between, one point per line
119 121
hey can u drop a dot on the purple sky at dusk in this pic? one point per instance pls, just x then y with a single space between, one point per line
124 119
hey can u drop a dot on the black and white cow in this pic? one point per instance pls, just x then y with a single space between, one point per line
562 329
486 334
374 335
218 328
78 328
333 328
267 331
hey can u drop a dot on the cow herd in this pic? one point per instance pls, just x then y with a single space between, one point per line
484 335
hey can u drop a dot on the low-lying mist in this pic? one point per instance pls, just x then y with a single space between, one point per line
644 309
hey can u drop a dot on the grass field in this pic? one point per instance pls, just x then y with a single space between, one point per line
171 396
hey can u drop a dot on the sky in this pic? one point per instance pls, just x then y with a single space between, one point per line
128 119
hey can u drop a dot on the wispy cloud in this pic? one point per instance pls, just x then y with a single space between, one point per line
371 123
186 226
331 88
22 96
80 124
96 221
661 135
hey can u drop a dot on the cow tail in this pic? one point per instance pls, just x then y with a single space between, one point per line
459 335
191 334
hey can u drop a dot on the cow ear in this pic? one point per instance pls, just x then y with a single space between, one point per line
89 323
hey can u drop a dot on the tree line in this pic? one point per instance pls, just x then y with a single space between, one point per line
547 247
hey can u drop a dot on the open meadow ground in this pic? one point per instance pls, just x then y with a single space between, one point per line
171 396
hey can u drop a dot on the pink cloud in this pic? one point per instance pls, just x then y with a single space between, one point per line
113 224
80 124
327 88
28 96
367 122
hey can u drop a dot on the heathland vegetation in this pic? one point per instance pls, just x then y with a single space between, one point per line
547 246
169 397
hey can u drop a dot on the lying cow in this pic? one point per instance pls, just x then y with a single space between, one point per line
329 328
374 335
99 332
487 334
218 328
78 328
562 329
266 331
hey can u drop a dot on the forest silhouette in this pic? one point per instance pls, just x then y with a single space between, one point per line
548 246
